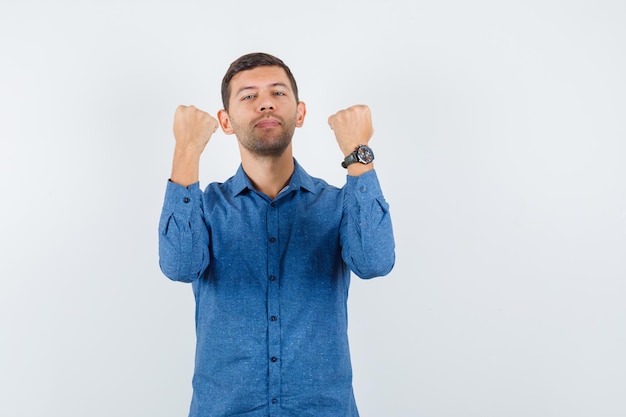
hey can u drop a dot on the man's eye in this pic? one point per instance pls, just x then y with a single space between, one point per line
248 97
279 93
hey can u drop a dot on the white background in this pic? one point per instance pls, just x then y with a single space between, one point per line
500 145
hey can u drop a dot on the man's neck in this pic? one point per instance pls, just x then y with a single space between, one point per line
269 175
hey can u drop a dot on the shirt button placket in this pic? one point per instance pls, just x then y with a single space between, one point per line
273 307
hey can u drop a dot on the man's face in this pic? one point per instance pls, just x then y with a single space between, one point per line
263 112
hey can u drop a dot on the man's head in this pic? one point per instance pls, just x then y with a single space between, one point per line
251 61
261 105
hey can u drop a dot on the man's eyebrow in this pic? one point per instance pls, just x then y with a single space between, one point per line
252 87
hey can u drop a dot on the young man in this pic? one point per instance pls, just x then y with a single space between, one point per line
269 252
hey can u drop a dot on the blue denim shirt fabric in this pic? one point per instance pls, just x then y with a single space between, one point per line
270 280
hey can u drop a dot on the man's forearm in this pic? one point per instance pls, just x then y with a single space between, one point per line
185 167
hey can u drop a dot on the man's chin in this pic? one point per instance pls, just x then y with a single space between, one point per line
270 152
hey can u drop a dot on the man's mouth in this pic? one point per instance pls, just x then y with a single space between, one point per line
266 123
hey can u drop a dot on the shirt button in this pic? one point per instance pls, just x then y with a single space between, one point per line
272 239
363 189
274 400
273 204
186 200
272 278
273 318
274 359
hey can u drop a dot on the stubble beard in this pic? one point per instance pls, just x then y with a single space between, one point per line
266 142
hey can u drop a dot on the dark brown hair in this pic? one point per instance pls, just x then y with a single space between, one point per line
251 61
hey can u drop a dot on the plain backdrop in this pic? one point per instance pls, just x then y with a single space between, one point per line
500 145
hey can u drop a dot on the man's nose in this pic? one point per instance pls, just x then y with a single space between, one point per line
266 104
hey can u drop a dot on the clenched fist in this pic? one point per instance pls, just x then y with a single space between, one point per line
352 127
193 128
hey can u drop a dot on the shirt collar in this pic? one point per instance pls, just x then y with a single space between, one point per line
299 180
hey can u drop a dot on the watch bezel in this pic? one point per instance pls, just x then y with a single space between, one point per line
364 154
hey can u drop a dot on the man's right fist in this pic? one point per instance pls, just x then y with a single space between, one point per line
193 128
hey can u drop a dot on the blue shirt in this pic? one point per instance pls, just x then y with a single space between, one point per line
270 280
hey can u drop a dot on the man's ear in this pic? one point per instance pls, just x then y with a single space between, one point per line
224 120
300 113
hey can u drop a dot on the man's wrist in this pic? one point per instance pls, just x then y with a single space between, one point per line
361 155
185 167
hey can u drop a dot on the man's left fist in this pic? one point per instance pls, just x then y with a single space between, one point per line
352 127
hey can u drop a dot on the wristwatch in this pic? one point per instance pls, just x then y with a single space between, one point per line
362 154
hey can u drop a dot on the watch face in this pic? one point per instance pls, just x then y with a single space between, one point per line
365 154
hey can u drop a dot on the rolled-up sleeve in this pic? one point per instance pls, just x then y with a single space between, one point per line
367 240
183 233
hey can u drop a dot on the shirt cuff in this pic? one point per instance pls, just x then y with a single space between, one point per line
180 199
365 186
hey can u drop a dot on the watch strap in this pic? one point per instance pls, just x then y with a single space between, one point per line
350 159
